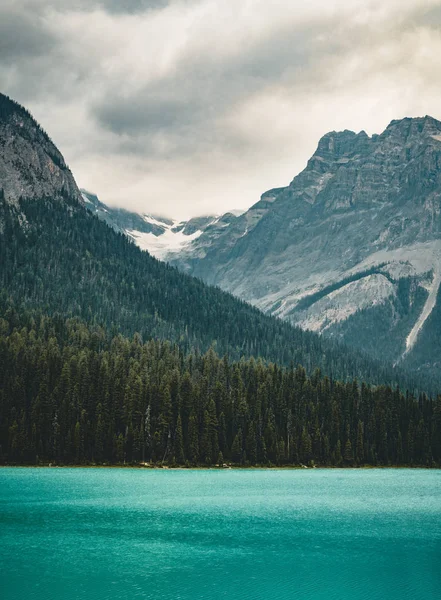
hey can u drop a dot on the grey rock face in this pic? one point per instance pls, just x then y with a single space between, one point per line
30 164
360 202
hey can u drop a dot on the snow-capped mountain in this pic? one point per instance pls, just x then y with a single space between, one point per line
350 249
168 237
162 237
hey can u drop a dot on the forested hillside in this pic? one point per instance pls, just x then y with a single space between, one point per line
57 257
70 394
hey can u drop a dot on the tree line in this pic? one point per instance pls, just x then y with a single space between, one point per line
70 393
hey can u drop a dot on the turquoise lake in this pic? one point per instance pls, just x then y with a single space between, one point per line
257 534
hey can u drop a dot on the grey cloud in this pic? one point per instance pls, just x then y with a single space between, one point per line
132 6
211 108
169 121
430 17
143 113
186 106
23 36
117 7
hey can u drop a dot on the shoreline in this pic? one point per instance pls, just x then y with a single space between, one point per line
227 468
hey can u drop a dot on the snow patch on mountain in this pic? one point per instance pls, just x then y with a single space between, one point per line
86 199
425 313
161 246
159 222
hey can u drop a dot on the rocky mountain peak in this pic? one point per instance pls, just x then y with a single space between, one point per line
30 164
411 128
337 144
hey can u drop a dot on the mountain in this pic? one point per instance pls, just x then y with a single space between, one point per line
350 249
162 237
59 261
30 164
108 355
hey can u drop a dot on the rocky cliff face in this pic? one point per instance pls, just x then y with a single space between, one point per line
351 248
30 164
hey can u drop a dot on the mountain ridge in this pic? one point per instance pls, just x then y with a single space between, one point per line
362 201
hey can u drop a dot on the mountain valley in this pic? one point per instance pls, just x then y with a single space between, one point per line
108 355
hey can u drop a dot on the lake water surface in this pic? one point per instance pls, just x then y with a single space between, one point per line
257 534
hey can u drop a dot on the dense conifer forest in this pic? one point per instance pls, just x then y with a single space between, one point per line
72 394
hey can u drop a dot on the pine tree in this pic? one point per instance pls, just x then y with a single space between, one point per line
251 444
348 456
205 440
222 434
179 443
436 430
359 451
305 447
193 437
337 453
77 442
100 436
237 448
119 448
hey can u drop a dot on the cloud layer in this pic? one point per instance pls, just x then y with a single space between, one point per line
187 107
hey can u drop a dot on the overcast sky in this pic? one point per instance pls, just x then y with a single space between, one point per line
188 107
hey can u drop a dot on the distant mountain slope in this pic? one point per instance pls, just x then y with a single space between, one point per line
57 259
119 219
351 248
162 237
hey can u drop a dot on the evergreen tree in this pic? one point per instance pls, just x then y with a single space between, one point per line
305 447
193 436
251 444
360 443
237 448
179 443
349 457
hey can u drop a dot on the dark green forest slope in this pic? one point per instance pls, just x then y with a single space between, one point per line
58 257
71 395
